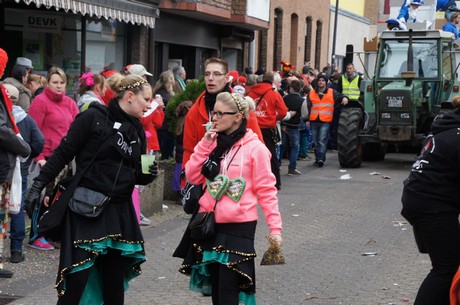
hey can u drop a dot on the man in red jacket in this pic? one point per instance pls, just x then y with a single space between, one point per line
216 79
270 108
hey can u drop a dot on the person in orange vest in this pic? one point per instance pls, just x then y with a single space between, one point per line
321 102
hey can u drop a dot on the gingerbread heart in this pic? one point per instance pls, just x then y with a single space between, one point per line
236 188
218 186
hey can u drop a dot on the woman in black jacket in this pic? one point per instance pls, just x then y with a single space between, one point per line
431 203
100 255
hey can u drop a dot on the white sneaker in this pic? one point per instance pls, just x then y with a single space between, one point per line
144 221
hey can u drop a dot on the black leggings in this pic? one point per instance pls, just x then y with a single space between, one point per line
225 285
439 236
113 281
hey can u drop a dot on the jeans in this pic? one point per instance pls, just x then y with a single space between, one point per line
320 133
294 138
439 236
17 226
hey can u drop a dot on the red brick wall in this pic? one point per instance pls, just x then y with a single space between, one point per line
317 10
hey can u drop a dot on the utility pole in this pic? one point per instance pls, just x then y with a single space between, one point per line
335 33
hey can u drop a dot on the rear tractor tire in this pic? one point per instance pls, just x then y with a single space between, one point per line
350 124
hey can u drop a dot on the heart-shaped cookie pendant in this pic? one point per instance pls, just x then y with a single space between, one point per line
218 186
236 188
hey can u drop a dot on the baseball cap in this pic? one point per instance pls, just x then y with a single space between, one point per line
13 91
138 69
24 61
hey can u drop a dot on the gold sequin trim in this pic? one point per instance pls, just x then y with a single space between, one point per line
132 86
116 237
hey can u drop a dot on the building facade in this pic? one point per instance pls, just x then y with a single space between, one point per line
77 36
189 32
298 33
356 21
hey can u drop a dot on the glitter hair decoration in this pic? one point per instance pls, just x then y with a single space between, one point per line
237 102
132 86
87 78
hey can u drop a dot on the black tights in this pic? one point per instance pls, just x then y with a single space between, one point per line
225 285
112 265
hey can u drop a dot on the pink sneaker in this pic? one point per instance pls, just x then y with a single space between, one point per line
41 244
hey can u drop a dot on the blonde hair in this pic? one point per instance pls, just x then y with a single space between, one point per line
124 83
40 80
166 81
238 103
58 71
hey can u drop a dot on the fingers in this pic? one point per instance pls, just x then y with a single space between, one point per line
277 238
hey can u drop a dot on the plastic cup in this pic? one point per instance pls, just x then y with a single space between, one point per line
146 161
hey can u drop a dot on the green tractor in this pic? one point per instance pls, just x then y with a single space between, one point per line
414 80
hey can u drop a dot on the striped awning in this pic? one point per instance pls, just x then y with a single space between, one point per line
141 13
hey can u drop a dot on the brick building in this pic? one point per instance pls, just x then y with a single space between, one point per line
298 33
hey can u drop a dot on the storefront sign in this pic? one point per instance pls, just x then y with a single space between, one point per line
43 23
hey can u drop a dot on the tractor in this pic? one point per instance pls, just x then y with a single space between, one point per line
414 81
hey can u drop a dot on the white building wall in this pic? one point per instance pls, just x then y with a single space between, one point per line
259 9
351 29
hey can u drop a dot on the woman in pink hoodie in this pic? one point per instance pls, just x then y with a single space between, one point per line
234 166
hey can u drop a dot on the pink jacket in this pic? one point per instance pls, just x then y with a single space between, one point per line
252 162
53 113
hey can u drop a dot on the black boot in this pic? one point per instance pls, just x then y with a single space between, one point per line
6 274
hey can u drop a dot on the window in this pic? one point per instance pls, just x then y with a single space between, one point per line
277 38
319 33
394 58
308 30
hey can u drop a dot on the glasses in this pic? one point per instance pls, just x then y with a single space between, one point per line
220 114
214 74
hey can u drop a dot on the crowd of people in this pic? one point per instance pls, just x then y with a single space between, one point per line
247 120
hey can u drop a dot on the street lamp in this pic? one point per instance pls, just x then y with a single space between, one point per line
335 33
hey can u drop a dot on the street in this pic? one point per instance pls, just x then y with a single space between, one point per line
345 242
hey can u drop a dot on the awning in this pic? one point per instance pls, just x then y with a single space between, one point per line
141 13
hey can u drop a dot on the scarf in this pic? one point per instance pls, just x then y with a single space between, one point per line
211 167
210 99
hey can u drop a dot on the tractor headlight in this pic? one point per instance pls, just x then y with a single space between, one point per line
386 115
405 115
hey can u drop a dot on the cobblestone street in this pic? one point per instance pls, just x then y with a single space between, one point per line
329 224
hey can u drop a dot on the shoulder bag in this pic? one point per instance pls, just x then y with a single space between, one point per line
89 203
202 226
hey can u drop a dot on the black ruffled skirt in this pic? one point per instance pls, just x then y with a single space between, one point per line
233 247
86 238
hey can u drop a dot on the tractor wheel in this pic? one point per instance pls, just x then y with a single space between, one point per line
350 151
374 151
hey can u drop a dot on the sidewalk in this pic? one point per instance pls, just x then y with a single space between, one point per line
34 278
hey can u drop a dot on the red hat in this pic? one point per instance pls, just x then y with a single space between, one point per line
234 74
242 79
108 73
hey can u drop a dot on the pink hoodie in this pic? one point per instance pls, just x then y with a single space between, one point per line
53 113
252 162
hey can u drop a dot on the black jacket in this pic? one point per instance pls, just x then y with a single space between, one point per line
119 138
10 144
433 185
293 102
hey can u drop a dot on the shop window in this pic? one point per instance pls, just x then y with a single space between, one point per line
47 38
105 45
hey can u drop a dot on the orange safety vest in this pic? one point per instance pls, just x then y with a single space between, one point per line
324 108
